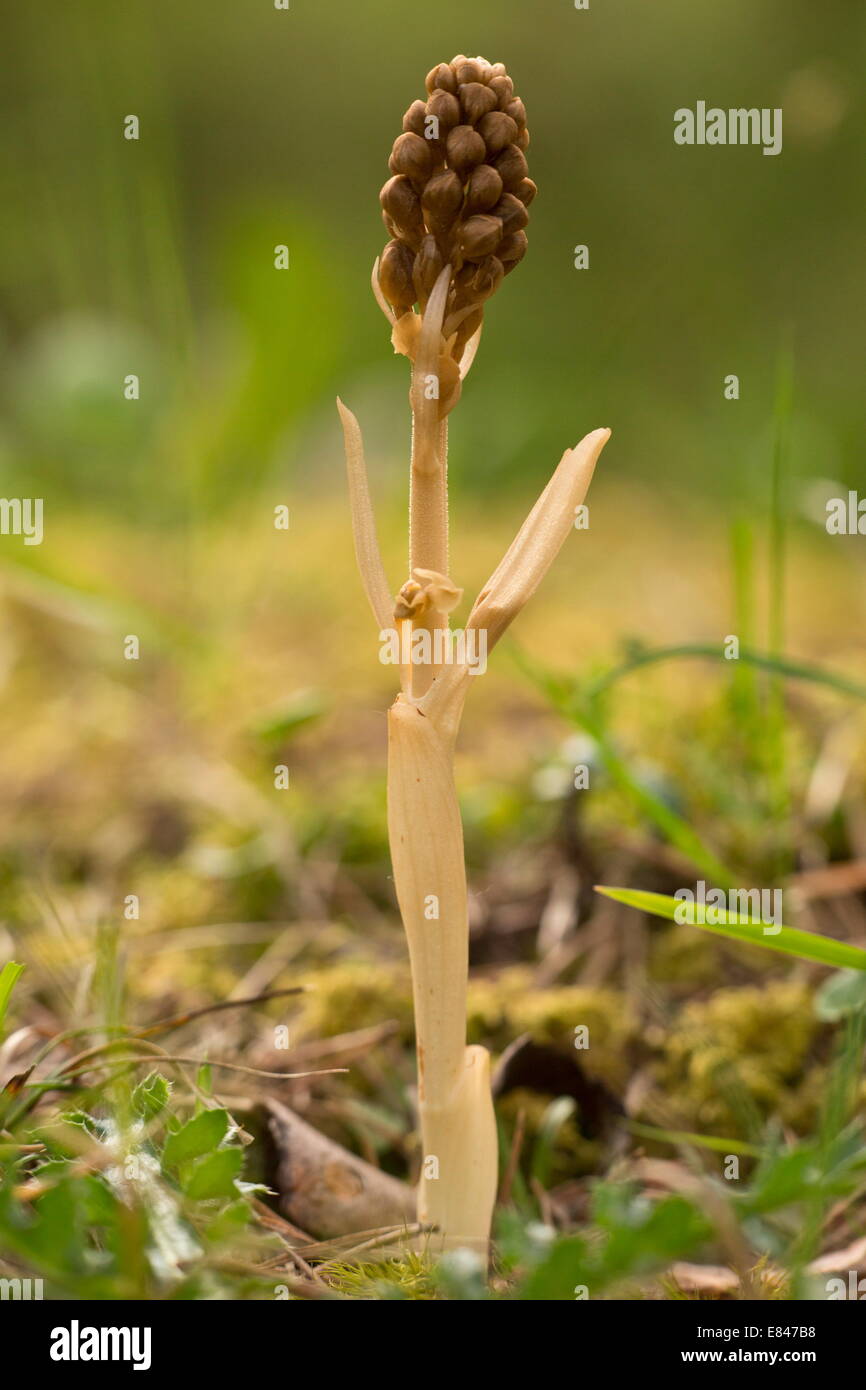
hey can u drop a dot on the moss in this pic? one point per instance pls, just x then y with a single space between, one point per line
176 896
502 1009
722 1066
356 994
360 994
489 1007
552 1015
742 1050
682 955
685 957
410 1276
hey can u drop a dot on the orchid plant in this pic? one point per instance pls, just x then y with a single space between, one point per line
456 209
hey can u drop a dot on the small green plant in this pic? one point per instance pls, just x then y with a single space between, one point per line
9 977
131 1200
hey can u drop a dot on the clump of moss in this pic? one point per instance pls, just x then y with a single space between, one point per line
409 1277
741 1050
684 958
679 955
489 1006
553 1016
176 895
502 1009
356 994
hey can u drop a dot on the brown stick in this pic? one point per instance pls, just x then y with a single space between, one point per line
325 1189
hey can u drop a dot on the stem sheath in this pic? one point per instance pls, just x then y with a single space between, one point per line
459 1162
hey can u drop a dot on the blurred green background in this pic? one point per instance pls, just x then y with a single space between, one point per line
261 126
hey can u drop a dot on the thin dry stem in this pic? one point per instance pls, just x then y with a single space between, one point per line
428 489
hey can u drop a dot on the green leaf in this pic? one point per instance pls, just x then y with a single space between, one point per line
701 1141
204 1079
200 1135
787 1177
8 978
557 1114
151 1095
652 1233
230 1220
788 940
558 1276
214 1175
840 995
640 1236
807 1172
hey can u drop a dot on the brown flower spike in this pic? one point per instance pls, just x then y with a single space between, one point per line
458 197
455 207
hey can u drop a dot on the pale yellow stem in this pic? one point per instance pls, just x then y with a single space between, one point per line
459 1159
428 477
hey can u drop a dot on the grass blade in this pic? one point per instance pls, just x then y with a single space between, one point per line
788 940
718 1144
765 661
745 701
557 1114
585 715
8 978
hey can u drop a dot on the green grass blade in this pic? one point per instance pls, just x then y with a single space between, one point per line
788 940
675 829
765 661
776 732
557 1114
672 826
8 978
782 411
700 1141
744 685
